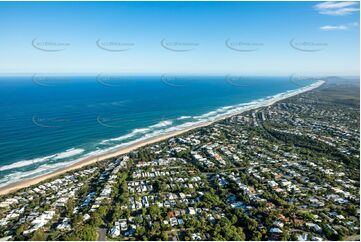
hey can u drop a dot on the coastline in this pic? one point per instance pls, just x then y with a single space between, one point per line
138 144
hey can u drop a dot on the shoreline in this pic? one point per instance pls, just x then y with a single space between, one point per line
138 144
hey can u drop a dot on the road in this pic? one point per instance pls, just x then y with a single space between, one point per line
102 234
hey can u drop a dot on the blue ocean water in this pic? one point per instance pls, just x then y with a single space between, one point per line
48 122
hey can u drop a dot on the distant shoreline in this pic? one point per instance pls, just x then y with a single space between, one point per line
124 150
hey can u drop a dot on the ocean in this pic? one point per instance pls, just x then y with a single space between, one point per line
49 122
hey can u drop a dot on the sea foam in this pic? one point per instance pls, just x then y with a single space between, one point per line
66 154
145 133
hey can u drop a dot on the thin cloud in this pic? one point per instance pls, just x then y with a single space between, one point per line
339 27
334 27
337 8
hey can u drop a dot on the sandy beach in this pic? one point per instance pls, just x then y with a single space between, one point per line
126 149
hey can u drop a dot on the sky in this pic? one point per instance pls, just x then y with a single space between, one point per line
207 38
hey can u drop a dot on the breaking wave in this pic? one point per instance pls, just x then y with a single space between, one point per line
136 135
66 154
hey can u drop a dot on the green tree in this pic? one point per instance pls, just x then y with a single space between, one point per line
164 236
140 231
88 233
256 236
154 211
39 235
19 231
70 205
54 235
96 220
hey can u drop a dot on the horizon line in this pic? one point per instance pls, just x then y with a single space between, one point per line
25 74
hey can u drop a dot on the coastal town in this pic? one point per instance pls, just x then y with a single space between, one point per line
288 171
